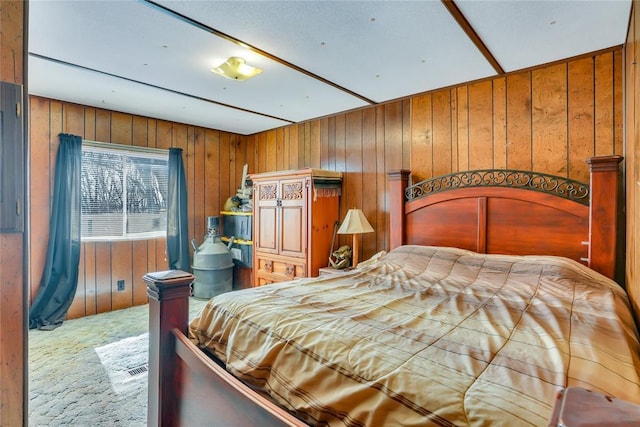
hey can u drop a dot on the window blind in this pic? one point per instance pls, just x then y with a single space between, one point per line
124 192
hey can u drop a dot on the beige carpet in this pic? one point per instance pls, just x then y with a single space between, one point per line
92 371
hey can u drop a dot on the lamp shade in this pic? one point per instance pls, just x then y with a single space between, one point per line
355 223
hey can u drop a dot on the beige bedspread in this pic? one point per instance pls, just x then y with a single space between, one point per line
429 336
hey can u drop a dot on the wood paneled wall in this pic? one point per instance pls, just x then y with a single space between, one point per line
632 157
13 384
548 119
213 166
363 144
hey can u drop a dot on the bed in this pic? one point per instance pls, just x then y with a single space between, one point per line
493 296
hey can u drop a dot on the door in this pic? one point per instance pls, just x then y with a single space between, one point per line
266 221
293 217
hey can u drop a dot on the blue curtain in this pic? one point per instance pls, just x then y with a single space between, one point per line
60 275
177 222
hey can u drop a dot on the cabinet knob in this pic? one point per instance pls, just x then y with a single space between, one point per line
289 270
268 266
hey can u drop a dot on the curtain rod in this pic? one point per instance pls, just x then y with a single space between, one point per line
115 146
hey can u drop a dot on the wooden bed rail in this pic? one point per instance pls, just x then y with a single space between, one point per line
168 309
602 214
208 395
185 386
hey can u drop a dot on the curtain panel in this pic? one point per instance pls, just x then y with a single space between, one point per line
60 274
177 221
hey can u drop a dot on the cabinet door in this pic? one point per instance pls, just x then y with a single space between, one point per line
293 217
11 159
266 227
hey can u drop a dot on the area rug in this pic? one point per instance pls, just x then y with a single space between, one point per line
126 363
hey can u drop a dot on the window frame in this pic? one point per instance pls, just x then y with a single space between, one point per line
127 151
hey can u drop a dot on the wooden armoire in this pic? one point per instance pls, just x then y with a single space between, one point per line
295 214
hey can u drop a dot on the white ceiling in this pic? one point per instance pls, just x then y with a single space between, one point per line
319 57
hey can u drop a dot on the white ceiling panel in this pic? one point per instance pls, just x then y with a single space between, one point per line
54 81
523 34
133 41
319 57
379 49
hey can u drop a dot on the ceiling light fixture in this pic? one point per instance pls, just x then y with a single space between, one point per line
236 68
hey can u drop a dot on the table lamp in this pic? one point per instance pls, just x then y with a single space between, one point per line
355 223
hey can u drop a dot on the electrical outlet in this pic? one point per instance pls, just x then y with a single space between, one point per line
121 285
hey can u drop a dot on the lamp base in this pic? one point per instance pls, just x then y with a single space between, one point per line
355 249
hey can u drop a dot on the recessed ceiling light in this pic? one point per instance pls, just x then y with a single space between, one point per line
236 68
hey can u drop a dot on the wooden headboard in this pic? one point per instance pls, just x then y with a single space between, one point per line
512 212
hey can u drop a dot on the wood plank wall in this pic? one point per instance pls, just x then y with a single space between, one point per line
632 157
13 385
213 166
548 119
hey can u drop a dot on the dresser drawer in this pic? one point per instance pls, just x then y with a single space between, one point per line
270 269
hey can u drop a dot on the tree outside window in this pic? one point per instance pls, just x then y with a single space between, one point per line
123 194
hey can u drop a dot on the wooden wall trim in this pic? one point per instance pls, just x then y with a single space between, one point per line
455 12
13 312
631 165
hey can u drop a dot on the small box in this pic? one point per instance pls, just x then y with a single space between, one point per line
237 224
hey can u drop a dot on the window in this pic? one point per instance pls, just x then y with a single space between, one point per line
124 192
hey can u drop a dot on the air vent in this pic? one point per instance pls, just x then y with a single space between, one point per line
138 370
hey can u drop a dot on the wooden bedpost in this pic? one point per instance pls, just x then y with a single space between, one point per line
168 293
603 222
398 180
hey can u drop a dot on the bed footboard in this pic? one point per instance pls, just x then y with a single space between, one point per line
185 386
209 395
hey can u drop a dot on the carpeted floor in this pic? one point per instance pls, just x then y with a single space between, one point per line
92 371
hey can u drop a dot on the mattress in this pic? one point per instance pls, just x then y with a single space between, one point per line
429 336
